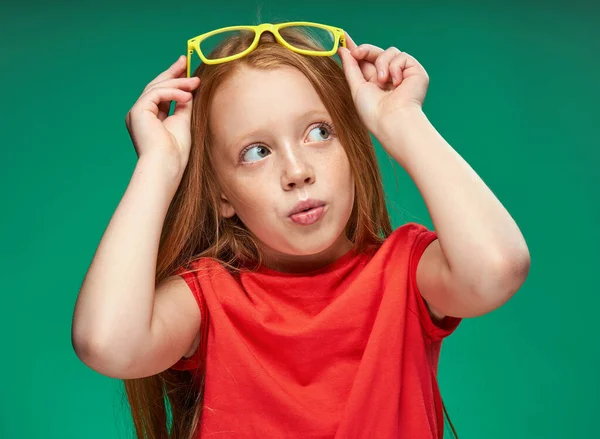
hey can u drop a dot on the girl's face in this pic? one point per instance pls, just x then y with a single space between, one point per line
274 147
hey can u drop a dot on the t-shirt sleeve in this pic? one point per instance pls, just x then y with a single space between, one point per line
434 329
195 360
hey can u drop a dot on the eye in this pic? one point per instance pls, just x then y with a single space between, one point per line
323 127
257 152
248 153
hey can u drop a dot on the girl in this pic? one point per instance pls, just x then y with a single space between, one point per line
249 283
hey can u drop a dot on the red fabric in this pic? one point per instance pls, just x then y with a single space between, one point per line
347 351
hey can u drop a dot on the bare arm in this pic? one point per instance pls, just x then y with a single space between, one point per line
480 258
121 328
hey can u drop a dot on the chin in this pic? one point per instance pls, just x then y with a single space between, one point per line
303 244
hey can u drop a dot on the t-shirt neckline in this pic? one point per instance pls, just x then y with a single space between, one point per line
332 266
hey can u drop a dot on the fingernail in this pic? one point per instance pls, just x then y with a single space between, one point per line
381 74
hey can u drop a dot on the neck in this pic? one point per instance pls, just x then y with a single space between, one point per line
287 263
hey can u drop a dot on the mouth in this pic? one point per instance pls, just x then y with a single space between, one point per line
306 205
308 212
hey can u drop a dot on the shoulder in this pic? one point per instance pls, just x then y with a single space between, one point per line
411 230
198 268
424 259
409 237
176 311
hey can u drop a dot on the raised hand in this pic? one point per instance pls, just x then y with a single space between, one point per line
150 128
384 83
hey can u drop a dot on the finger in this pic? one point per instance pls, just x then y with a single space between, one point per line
397 66
352 70
184 83
158 95
175 70
367 52
412 65
179 109
361 53
408 66
163 110
367 69
184 109
350 44
383 63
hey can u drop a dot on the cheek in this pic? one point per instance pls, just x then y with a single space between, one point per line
344 178
338 167
250 198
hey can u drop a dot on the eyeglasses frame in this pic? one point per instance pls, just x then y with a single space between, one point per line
193 44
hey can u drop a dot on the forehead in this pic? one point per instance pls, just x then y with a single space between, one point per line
252 99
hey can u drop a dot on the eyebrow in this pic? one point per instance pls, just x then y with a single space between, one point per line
305 115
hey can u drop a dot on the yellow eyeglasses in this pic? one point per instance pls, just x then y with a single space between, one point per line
326 36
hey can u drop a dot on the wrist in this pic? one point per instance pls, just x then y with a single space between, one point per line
394 124
165 172
165 166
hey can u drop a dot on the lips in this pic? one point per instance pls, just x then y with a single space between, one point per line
308 217
306 205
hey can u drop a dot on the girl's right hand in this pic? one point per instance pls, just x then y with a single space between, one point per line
151 131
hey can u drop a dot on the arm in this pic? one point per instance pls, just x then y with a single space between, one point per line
121 328
480 258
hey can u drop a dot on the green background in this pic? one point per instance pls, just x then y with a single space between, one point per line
514 89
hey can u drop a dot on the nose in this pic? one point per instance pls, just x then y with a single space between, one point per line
297 172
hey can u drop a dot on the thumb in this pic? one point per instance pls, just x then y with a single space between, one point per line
351 69
183 108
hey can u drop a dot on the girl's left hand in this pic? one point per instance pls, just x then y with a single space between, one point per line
402 86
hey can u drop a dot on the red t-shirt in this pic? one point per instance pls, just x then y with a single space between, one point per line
346 351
